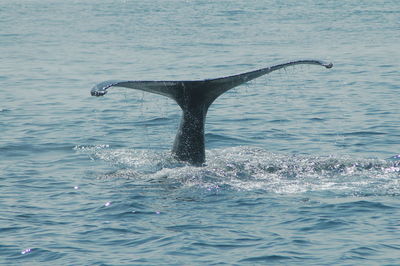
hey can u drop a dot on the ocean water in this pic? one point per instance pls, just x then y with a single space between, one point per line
303 165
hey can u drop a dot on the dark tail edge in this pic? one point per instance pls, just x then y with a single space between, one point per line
168 88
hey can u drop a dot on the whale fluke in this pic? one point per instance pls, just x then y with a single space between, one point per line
194 98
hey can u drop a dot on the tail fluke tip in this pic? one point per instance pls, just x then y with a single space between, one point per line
98 92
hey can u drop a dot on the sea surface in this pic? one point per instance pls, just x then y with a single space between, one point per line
303 164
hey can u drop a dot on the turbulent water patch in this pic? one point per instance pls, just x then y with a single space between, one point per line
248 168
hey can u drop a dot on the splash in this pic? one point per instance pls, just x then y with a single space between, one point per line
248 168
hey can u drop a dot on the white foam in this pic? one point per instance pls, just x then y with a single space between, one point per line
247 168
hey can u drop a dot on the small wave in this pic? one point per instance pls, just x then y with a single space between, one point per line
364 133
317 119
26 148
363 252
357 133
360 206
155 121
395 157
280 121
222 139
267 258
39 254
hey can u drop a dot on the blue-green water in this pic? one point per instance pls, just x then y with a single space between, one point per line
303 165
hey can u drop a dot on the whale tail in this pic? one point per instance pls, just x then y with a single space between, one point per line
194 98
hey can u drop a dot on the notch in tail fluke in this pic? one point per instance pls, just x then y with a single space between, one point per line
194 98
